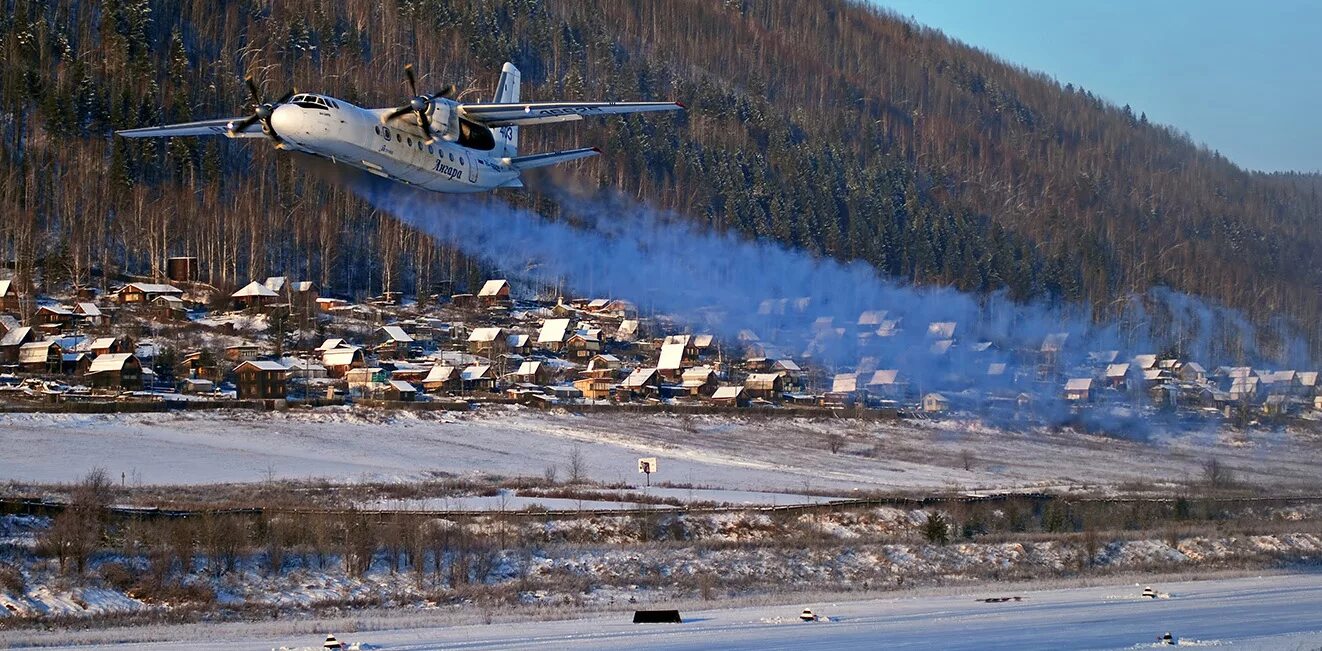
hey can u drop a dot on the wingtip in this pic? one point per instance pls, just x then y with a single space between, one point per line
681 106
596 150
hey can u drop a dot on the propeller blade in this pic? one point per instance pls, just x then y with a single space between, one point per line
445 92
397 113
285 97
244 123
413 82
252 89
426 128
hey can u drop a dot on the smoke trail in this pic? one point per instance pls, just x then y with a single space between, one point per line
801 306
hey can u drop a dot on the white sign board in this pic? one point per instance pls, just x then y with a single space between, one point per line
647 465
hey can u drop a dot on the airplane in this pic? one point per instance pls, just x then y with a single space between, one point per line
477 149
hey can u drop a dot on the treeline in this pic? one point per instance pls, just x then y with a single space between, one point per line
830 125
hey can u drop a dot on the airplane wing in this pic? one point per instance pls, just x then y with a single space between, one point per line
521 114
522 163
218 127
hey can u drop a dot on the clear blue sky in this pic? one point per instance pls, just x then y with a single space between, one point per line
1244 78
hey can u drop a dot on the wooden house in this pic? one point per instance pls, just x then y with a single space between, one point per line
888 383
261 380
1079 389
533 372
144 293
765 386
115 371
242 352
845 391
57 317
488 342
169 308
699 381
604 363
518 344
478 377
641 382
393 342
583 345
199 364
90 315
13 340
1117 376
338 361
553 335
9 299
595 388
254 296
730 396
401 391
442 379
935 403
494 292
75 364
40 357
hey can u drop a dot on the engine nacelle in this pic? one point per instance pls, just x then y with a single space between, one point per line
445 120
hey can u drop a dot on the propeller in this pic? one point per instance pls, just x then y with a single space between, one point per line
420 105
262 111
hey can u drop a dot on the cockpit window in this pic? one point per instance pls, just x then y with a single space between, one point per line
310 101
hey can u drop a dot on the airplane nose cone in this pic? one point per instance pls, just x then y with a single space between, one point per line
285 120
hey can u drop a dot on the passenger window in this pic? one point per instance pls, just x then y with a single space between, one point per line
461 160
429 149
398 138
377 130
451 157
385 131
410 143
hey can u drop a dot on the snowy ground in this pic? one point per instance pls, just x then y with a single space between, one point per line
1275 612
721 452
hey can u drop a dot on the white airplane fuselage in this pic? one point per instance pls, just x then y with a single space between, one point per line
354 136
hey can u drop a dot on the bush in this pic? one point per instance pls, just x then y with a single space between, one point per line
936 530
11 579
118 576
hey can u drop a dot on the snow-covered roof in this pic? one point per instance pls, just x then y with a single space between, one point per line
153 288
16 336
263 365
400 385
941 329
168 299
871 317
111 362
672 356
5 286
440 373
677 340
480 335
34 352
640 377
529 368
103 343
1078 384
697 376
844 383
275 283
1145 361
475 372
339 356
1054 342
553 331
885 377
332 344
1117 370
254 289
728 392
627 327
764 381
89 309
996 368
787 365
941 347
517 340
59 310
493 287
397 334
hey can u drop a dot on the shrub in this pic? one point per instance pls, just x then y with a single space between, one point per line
11 579
936 530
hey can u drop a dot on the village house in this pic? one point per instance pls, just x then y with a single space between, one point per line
1191 372
1117 376
53 318
366 379
13 340
144 293
261 380
595 387
393 342
494 292
115 371
671 362
844 391
90 315
553 335
730 396
194 386
400 391
478 377
764 386
643 382
75 364
304 369
583 344
199 364
338 361
518 344
533 372
699 381
442 379
888 383
169 308
243 352
1079 389
40 357
254 296
9 301
302 296
628 330
935 403
488 342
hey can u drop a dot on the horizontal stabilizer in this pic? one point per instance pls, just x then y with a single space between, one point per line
521 163
506 114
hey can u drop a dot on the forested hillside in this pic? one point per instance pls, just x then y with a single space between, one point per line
827 125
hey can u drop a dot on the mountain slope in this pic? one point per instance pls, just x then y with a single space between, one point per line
827 125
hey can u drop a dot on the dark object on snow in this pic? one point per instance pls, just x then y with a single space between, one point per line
1150 594
332 643
1167 639
656 617
999 600
808 615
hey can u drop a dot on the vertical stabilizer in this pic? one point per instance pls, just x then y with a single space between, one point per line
507 92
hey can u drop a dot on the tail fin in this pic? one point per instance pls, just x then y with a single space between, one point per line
507 92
